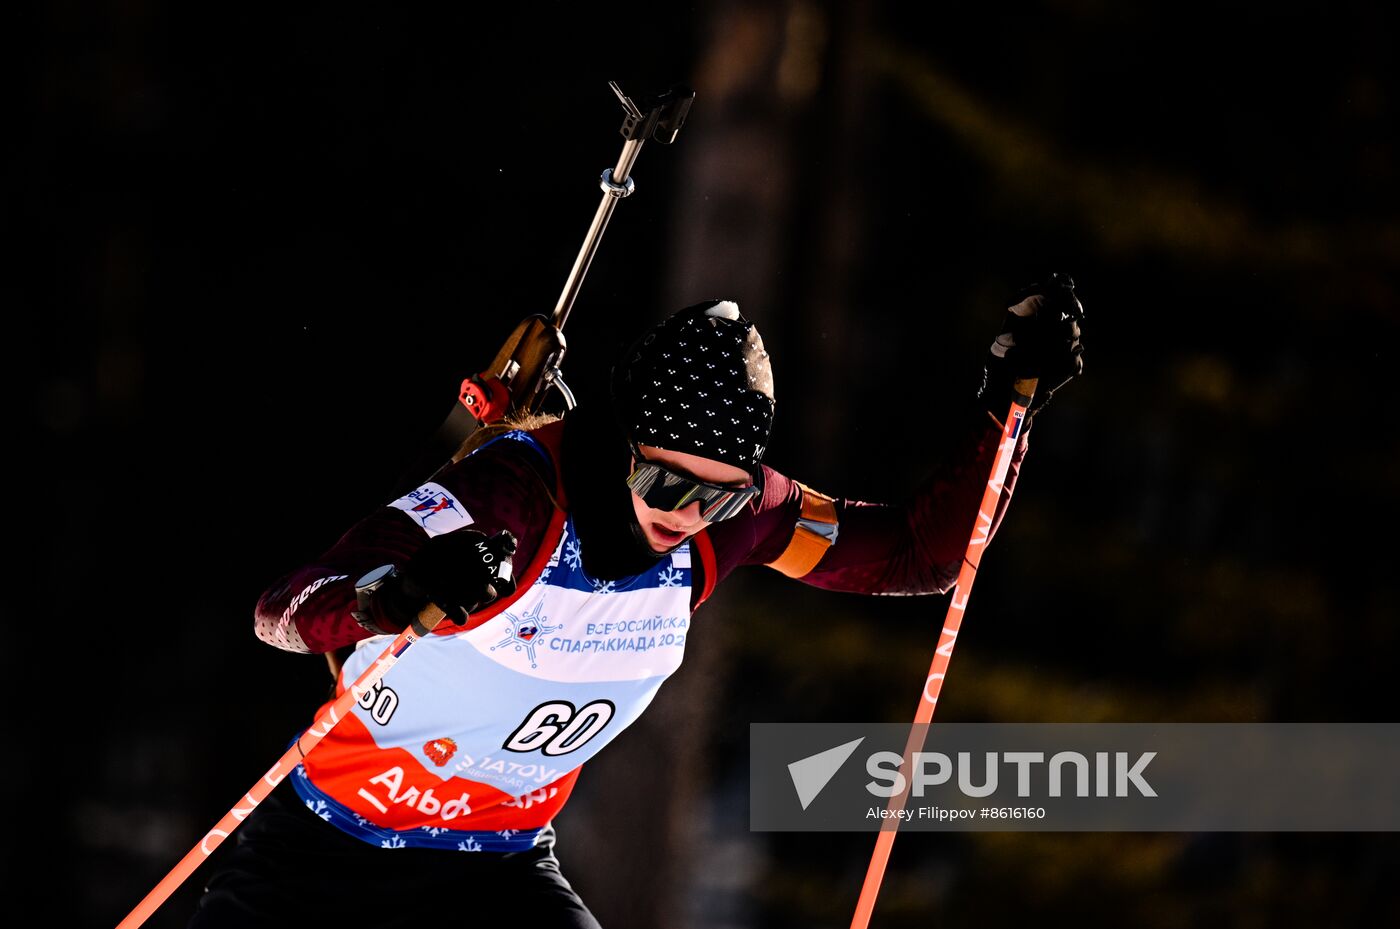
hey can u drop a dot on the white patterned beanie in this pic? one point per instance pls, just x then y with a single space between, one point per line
698 382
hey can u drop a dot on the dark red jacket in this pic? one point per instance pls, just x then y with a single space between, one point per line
912 547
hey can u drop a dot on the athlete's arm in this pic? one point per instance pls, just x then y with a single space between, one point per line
910 547
308 609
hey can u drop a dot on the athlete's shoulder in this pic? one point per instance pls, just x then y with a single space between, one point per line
512 447
779 491
550 435
501 473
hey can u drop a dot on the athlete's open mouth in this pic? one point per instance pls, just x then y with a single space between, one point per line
666 535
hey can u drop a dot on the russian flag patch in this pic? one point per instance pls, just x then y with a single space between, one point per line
1013 428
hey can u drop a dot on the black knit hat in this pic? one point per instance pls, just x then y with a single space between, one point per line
698 382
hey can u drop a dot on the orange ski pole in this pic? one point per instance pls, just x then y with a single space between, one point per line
325 722
981 532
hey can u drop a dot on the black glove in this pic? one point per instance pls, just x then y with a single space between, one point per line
461 571
1039 339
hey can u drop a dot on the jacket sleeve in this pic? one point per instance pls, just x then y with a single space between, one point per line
308 609
914 545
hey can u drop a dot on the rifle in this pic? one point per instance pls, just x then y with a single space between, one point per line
526 370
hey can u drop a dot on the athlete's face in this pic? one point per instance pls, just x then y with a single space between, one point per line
665 529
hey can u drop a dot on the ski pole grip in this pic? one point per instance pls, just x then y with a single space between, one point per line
427 619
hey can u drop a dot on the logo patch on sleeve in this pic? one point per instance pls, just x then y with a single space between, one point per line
434 508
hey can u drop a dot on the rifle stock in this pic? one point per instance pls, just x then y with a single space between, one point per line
521 374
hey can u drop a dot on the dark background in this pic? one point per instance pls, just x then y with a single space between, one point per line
254 250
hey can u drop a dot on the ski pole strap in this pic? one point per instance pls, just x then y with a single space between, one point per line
814 532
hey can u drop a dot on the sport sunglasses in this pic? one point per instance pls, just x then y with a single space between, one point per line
663 489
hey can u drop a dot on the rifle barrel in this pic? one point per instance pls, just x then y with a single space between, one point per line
613 191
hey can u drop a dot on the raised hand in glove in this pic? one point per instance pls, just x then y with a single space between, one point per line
461 571
1039 339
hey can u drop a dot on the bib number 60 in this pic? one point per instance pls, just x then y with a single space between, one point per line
557 727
